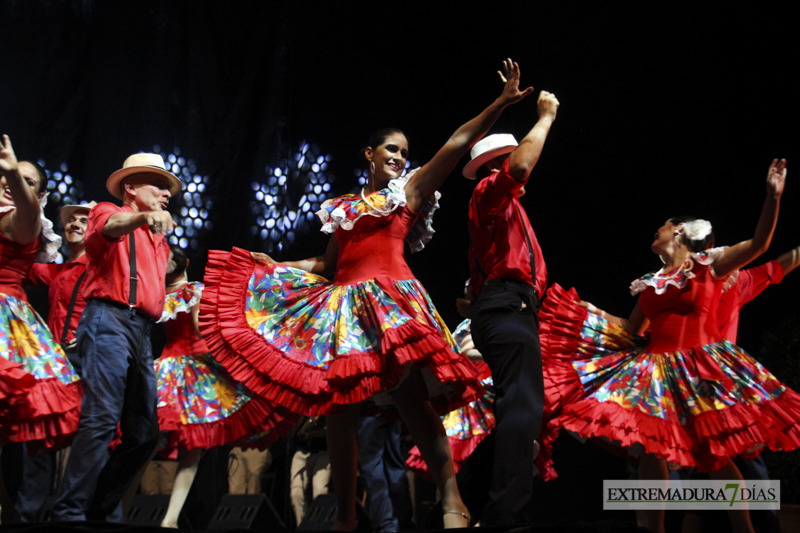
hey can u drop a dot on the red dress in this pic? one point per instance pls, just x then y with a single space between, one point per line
199 405
314 345
688 396
40 393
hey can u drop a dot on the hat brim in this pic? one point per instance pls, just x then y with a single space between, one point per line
471 169
114 180
68 210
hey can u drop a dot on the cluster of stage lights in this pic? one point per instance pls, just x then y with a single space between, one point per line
192 205
62 189
286 199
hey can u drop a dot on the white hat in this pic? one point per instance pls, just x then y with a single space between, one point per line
152 164
486 149
68 210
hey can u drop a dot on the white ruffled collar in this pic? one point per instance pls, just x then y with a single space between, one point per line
344 211
678 277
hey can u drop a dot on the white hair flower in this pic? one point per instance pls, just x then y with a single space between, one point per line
697 229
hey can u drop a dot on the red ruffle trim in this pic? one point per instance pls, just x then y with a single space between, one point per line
310 390
15 383
242 428
560 320
50 417
708 444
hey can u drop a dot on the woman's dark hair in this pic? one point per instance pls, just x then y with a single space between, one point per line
179 256
42 175
379 137
697 245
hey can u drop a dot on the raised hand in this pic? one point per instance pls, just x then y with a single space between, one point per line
8 159
547 105
776 177
510 76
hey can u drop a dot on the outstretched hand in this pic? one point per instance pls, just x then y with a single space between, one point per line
261 256
510 76
8 159
776 177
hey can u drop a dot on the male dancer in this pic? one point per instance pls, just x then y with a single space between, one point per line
66 305
509 275
125 291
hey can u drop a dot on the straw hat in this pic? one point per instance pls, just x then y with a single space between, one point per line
151 164
68 210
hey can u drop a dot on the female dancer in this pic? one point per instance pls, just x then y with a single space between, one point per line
199 405
40 393
689 396
321 347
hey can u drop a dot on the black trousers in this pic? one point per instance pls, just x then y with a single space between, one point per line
505 329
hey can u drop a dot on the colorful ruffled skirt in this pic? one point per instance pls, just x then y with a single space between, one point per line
313 346
40 393
600 382
200 406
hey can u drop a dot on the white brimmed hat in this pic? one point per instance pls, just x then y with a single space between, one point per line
68 210
486 149
142 164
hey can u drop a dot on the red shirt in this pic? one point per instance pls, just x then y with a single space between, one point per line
497 224
61 279
108 269
749 285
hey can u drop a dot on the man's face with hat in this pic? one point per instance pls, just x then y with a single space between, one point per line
150 192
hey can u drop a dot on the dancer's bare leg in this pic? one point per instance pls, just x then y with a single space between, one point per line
414 405
740 518
187 470
653 467
342 440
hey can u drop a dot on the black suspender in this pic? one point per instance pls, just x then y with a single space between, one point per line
530 246
134 279
71 308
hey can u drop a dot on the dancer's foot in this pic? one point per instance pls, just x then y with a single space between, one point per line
455 519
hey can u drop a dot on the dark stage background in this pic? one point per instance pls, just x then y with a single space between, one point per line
664 110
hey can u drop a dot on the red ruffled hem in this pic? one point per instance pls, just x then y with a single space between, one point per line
559 321
49 418
310 390
15 383
257 424
708 444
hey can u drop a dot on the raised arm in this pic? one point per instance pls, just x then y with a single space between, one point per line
321 265
737 256
23 224
431 176
526 155
120 224
789 260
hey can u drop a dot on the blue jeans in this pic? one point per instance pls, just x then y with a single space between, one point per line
120 387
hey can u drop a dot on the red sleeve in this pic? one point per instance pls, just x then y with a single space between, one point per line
754 280
41 275
493 194
98 217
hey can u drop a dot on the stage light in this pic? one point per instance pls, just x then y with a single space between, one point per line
301 174
193 204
